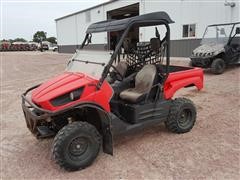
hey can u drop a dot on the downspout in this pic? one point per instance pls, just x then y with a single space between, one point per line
76 28
231 5
143 11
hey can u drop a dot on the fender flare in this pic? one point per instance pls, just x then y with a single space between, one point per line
176 85
106 130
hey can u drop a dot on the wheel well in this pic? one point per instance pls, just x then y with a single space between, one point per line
220 55
89 113
92 116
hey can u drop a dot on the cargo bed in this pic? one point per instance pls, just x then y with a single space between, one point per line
180 76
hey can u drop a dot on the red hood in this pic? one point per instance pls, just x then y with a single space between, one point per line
60 85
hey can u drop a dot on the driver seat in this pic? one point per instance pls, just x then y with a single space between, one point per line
144 82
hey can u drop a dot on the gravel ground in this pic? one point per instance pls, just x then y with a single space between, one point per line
210 151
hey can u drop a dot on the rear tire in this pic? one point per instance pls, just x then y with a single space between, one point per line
218 66
76 146
182 116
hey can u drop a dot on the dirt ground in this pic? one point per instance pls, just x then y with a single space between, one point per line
210 151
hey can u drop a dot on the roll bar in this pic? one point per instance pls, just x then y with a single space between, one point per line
141 23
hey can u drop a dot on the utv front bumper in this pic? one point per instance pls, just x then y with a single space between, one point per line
36 118
203 62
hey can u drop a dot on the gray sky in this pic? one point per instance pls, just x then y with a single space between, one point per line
22 18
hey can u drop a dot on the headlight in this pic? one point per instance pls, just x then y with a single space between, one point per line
67 98
74 95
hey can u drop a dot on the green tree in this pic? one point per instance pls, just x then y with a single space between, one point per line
52 40
10 40
39 36
19 39
3 40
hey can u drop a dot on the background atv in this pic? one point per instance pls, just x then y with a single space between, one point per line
103 95
220 47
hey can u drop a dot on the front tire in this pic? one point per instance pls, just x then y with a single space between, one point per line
218 66
76 146
182 116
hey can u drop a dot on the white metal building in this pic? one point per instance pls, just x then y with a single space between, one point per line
191 18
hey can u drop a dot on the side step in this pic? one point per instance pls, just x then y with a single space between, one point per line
45 132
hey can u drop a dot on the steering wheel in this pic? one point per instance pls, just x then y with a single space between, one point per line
116 74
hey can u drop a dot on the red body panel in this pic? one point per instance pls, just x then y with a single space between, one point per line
68 82
180 79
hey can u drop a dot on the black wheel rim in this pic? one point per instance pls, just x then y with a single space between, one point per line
219 66
185 118
78 146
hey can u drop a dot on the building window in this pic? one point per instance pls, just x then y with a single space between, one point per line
189 30
88 16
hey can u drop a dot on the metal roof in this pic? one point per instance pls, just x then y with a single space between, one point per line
72 14
151 19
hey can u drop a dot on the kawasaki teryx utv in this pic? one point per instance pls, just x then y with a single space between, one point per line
220 46
102 95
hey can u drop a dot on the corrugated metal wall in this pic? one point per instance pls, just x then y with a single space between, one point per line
179 48
183 47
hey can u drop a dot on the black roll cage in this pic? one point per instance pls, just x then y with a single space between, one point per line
224 24
136 23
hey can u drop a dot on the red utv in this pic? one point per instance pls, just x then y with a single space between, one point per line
119 95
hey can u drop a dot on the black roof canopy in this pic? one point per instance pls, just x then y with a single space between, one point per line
151 19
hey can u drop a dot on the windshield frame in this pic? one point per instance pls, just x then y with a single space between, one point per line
90 62
215 25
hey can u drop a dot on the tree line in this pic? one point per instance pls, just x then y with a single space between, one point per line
37 37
